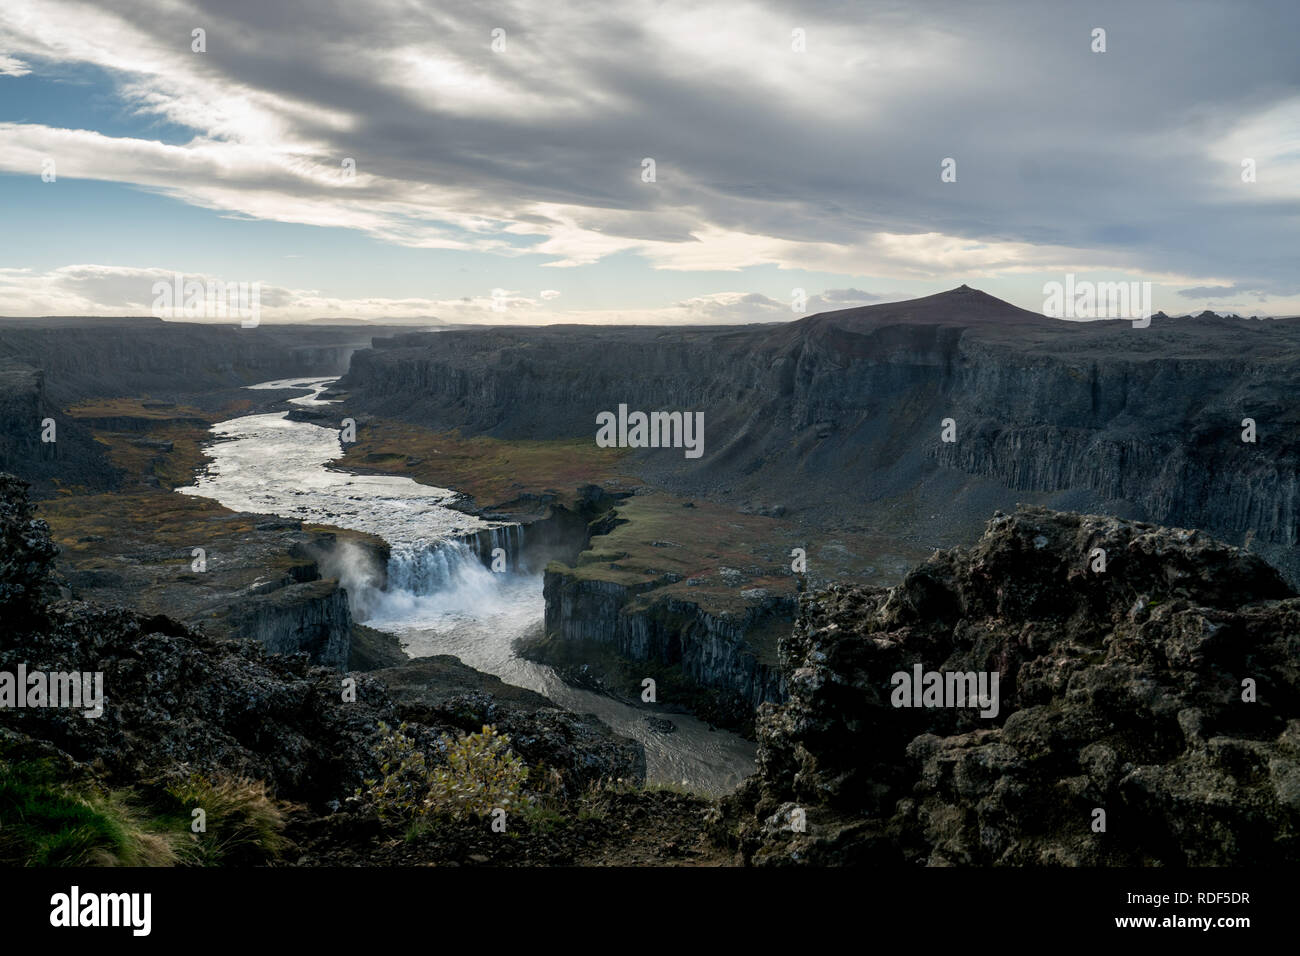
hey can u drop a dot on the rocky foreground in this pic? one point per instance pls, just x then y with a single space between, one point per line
1163 691
180 705
1148 713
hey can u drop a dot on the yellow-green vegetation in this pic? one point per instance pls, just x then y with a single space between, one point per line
49 817
138 542
148 519
144 407
116 523
481 774
494 472
659 537
173 469
242 823
699 553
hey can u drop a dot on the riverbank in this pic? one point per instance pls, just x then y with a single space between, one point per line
434 588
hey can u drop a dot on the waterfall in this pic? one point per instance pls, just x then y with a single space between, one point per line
509 538
420 568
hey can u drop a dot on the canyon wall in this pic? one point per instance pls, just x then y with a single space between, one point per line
49 364
84 357
711 650
74 458
837 418
310 617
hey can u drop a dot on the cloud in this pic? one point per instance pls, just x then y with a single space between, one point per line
850 297
1238 288
12 66
825 160
102 290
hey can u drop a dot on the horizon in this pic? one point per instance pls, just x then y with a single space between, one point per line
434 323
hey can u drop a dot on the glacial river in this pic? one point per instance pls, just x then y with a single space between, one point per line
440 599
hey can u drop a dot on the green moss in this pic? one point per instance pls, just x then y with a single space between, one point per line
54 814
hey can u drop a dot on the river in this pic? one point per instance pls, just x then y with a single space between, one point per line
440 598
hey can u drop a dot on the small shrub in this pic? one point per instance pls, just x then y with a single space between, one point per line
400 793
481 773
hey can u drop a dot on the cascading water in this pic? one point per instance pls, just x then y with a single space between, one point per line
423 569
442 594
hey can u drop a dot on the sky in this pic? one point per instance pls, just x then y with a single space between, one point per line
489 162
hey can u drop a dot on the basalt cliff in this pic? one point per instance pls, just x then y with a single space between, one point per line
837 420
48 364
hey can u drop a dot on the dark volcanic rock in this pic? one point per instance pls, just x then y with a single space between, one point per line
443 691
312 617
73 457
1120 690
176 700
26 555
711 649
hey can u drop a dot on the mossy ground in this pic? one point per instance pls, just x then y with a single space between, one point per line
186 428
727 562
497 474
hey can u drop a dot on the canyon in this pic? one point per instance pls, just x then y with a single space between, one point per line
774 585
846 407
825 436
834 425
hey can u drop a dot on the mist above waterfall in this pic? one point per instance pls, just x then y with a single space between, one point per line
359 574
439 581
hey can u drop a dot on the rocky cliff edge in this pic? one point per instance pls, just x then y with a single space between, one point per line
1149 713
